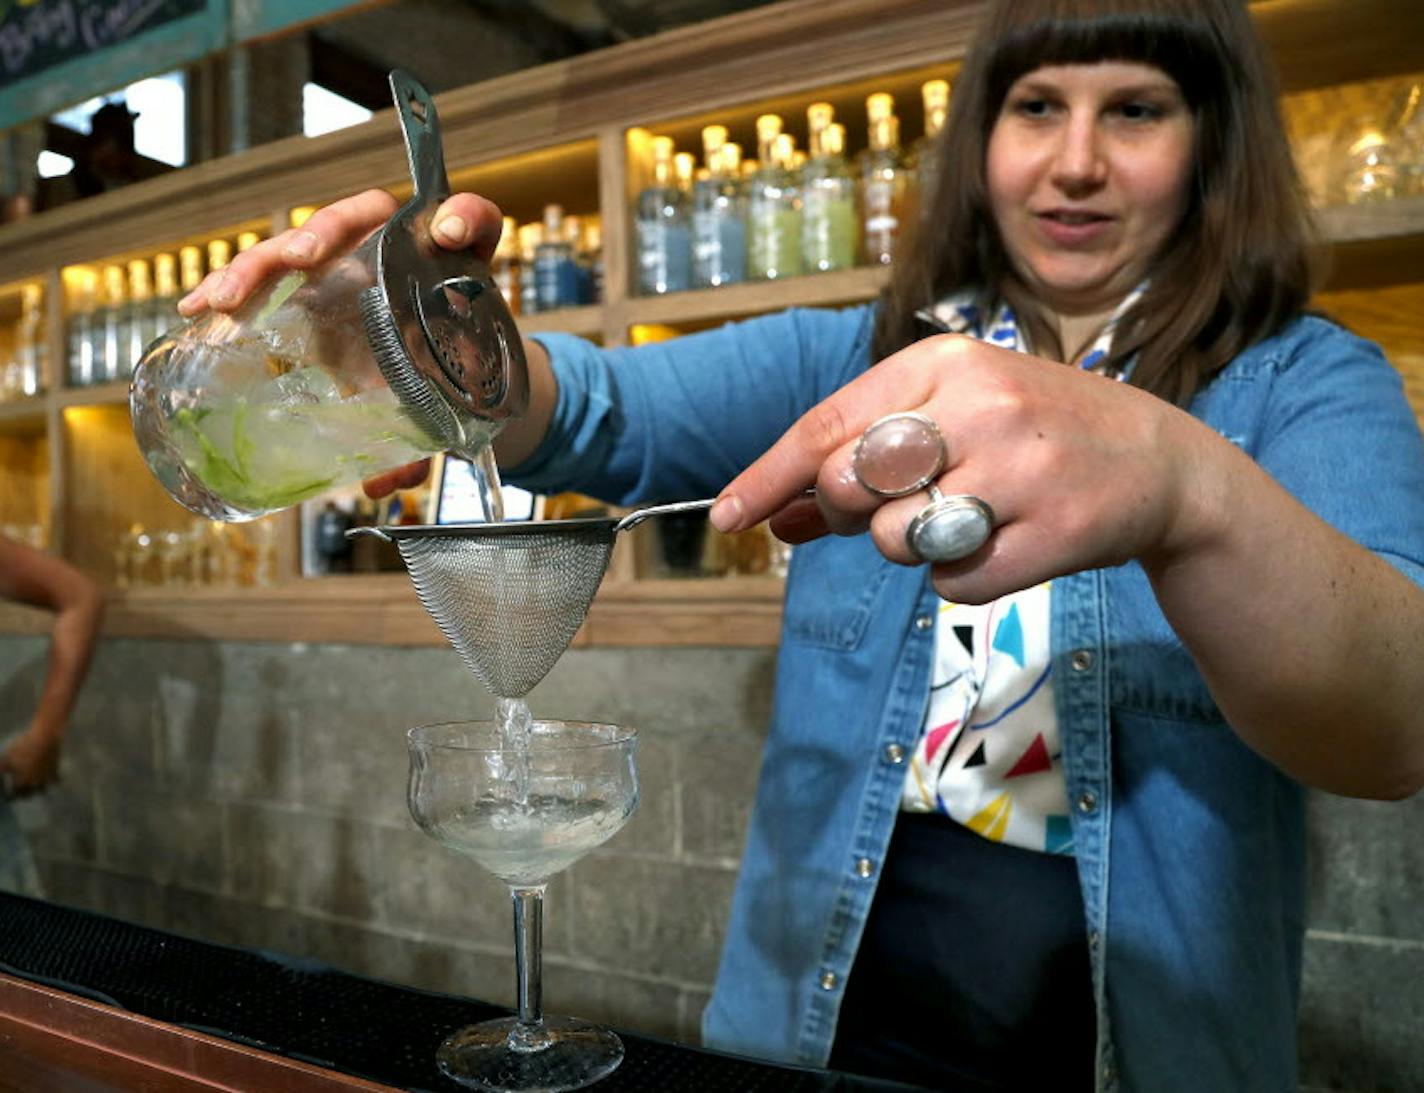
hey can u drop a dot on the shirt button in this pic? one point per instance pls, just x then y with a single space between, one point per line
1094 939
924 622
894 753
828 981
1087 802
864 867
1081 660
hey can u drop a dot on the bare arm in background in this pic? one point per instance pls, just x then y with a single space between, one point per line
30 576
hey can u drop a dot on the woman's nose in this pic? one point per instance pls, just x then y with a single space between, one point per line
1079 165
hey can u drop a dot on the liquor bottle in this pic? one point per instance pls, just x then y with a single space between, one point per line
573 236
113 318
921 161
829 227
247 240
219 254
590 259
165 291
555 275
773 207
30 343
530 236
719 233
79 333
504 266
883 183
663 228
190 265
142 316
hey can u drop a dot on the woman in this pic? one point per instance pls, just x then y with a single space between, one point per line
1056 837
29 761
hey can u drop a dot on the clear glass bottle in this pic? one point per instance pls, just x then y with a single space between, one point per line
79 330
190 262
719 253
555 272
663 228
142 328
830 228
583 278
504 266
884 183
590 259
165 290
113 321
773 207
219 254
530 236
921 161
30 343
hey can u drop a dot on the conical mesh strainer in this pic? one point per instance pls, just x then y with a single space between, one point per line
510 596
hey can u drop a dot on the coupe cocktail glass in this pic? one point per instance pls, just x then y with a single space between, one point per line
525 806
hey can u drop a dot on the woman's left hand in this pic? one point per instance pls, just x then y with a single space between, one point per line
1080 471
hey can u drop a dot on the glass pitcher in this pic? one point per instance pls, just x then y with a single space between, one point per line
384 355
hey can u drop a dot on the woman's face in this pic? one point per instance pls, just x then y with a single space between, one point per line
1089 169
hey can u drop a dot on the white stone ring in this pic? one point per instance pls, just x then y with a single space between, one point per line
903 453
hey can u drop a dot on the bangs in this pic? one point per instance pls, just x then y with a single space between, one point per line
1175 37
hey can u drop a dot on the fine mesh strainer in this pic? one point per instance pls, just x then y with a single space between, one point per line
510 596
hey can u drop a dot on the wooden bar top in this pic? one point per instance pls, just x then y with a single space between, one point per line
52 1040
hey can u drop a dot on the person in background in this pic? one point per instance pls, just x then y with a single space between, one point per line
1031 810
29 762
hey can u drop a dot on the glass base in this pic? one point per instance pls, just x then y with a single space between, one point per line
571 1055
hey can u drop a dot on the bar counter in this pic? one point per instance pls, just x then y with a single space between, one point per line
91 1004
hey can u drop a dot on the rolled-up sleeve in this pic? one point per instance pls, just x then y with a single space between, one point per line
680 419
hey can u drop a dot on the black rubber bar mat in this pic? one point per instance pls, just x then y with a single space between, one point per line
308 1011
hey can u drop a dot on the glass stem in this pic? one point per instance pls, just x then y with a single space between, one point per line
529 1034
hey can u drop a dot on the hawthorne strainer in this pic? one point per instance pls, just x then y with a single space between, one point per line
510 596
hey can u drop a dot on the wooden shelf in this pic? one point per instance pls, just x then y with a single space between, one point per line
383 610
23 417
754 297
584 321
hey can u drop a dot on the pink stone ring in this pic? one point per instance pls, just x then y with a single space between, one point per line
902 453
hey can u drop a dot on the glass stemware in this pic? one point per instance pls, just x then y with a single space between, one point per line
524 807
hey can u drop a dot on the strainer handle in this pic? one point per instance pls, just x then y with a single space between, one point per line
633 519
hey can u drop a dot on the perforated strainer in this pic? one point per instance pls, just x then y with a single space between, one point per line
510 596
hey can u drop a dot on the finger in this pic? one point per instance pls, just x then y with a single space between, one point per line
903 381
468 220
329 232
400 478
799 522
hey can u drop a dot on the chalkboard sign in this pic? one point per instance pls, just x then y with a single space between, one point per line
36 35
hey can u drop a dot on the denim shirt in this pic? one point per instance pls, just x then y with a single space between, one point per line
1190 847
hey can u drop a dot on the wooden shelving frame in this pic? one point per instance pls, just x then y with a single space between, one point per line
569 123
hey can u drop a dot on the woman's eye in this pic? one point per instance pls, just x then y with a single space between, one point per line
1031 107
1139 111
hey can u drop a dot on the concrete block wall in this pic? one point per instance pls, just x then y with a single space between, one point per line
254 794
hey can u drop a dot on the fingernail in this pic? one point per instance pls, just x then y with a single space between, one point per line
302 246
452 229
187 303
726 514
222 292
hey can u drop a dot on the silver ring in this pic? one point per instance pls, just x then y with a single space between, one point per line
950 527
901 453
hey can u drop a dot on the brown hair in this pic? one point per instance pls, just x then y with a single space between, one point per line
1241 265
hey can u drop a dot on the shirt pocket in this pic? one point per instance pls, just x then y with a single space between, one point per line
832 591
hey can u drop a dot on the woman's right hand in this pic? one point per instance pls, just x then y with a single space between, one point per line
463 221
